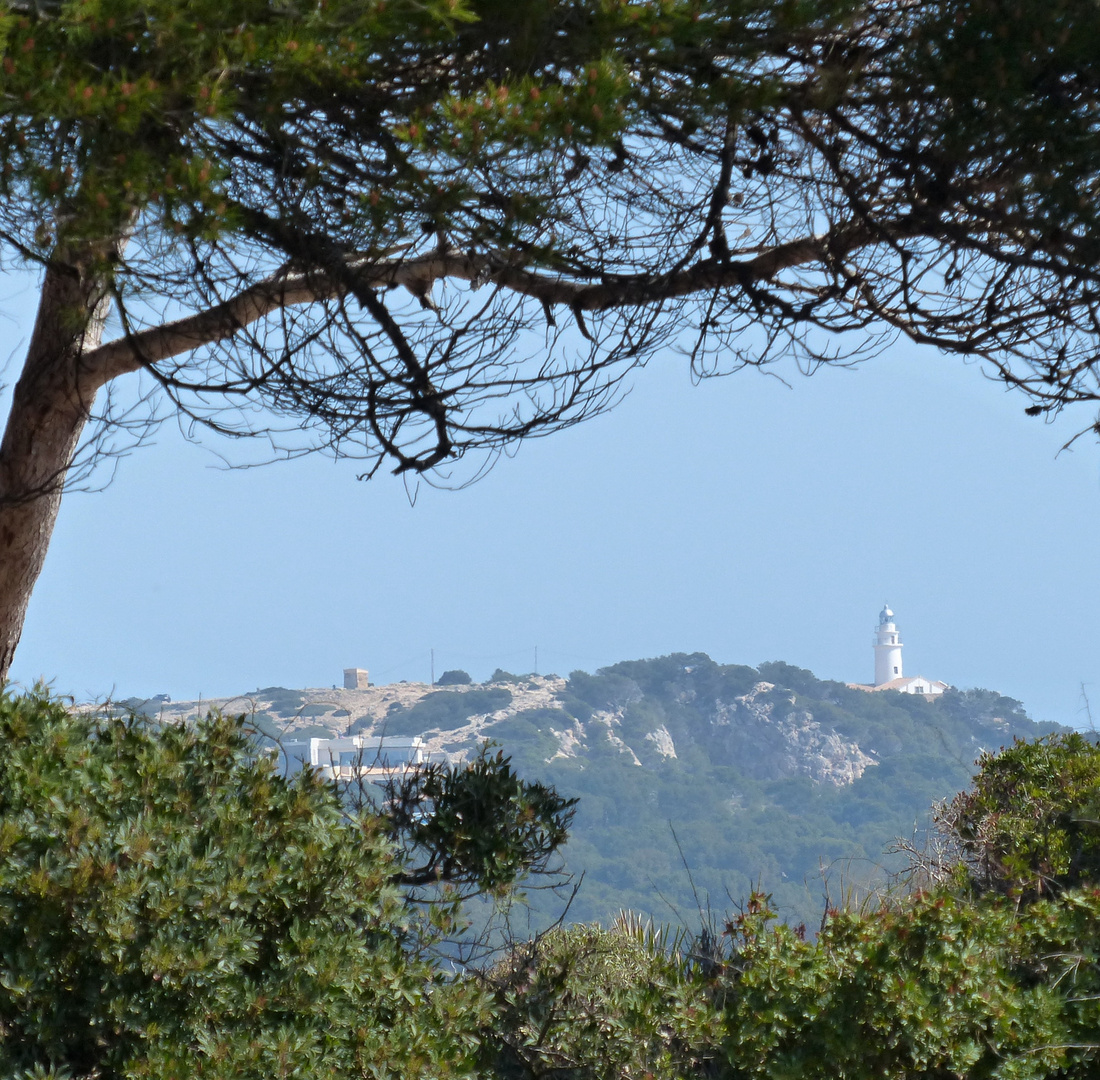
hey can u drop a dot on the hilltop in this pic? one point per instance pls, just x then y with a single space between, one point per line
743 775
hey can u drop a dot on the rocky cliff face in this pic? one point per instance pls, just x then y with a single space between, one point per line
769 736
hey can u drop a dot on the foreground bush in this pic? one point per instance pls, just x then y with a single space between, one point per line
940 987
1030 824
623 1003
170 907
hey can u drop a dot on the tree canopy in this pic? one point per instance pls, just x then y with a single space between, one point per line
412 232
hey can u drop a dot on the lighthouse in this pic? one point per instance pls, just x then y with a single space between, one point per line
887 645
888 676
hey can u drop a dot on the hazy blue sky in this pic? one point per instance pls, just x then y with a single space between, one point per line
741 517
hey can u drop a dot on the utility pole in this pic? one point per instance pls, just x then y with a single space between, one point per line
433 667
536 659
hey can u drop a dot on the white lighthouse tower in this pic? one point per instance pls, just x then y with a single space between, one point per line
887 645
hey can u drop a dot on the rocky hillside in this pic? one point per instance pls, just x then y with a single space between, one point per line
742 776
451 719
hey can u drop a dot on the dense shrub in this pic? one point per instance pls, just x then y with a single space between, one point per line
171 907
456 677
939 985
587 1002
1030 824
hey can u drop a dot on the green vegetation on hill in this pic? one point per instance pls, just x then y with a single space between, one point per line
755 795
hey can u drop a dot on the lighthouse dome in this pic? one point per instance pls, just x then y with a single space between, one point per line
885 615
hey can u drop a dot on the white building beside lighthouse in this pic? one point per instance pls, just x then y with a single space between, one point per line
888 668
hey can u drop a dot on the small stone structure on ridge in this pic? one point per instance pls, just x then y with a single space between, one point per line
356 678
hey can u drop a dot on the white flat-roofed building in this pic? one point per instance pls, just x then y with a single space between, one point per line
914 684
352 756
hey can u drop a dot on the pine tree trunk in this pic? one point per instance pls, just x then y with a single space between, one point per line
50 406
